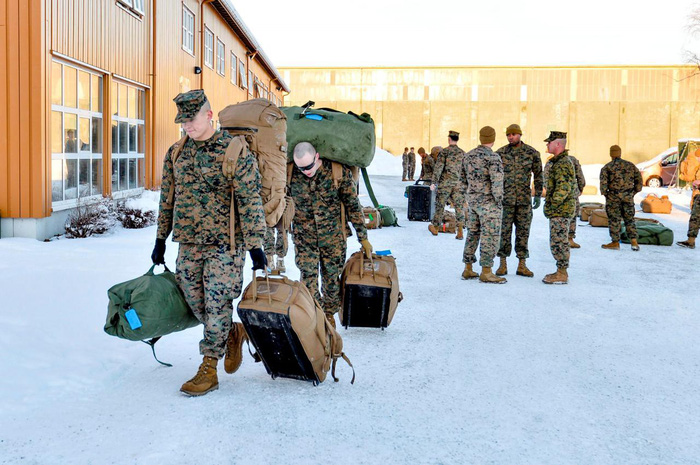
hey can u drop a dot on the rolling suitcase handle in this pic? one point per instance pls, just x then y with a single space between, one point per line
362 265
255 287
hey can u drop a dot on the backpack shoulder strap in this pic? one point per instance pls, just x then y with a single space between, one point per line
290 172
337 173
229 161
173 157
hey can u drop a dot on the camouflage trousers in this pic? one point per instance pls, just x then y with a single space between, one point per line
276 242
572 224
618 210
694 222
559 240
327 262
456 197
484 229
210 279
521 216
404 165
411 169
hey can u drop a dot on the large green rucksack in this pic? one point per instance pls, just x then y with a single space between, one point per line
650 232
158 304
347 138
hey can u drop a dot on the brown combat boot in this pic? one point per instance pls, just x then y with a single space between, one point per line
690 243
614 245
234 348
523 269
487 276
433 229
460 232
560 277
204 381
468 273
572 244
502 268
635 245
331 319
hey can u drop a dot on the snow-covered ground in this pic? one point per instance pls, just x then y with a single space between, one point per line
605 370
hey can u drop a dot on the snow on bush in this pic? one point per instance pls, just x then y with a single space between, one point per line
89 219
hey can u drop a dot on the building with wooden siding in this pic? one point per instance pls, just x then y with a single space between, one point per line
86 89
644 109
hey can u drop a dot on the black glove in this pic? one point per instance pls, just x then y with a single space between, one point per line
259 258
158 255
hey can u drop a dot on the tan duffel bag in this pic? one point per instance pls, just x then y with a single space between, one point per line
655 204
449 223
369 290
373 219
289 330
598 218
588 207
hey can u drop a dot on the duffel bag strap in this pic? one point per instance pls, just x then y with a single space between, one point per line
347 360
152 343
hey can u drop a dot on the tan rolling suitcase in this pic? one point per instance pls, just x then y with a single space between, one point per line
598 218
369 290
373 219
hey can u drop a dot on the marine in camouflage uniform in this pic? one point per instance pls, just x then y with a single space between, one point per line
580 184
694 221
404 164
482 179
428 164
195 205
521 162
619 181
446 179
411 165
318 232
560 204
276 243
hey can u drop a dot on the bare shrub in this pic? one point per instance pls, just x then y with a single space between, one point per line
89 219
133 217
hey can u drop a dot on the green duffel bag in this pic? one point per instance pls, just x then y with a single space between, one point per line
388 216
343 137
650 232
155 302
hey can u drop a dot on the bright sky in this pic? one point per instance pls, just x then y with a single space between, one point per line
454 33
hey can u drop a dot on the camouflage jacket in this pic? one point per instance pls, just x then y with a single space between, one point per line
448 166
404 158
427 168
482 176
560 200
201 209
411 158
518 163
317 205
580 179
620 179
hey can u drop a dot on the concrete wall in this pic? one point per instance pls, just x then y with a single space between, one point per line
645 110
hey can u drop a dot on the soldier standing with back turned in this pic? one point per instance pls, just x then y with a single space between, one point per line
619 181
559 204
482 177
195 205
519 162
446 179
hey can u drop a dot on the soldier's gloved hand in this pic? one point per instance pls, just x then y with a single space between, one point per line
366 248
536 202
432 187
258 257
158 254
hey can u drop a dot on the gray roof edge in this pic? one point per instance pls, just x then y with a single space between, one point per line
251 41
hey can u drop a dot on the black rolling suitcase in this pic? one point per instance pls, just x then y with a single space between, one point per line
421 202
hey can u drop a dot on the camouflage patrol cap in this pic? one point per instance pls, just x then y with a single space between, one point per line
453 133
554 135
189 104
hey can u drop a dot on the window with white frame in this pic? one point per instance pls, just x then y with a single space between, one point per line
234 69
220 57
128 137
251 82
187 30
242 80
208 48
75 134
135 6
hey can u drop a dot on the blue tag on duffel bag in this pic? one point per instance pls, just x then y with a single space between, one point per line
133 319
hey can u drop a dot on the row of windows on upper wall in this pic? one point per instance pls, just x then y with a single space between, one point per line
216 59
77 134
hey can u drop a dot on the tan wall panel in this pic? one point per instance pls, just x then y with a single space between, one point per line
596 126
647 129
